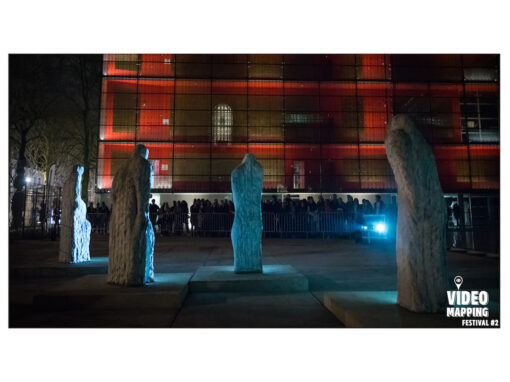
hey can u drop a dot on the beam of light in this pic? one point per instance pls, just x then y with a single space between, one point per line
381 228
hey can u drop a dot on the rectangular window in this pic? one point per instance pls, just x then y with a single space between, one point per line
124 111
480 119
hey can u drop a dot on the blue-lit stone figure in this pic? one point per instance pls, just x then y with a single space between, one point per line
421 241
74 228
246 232
131 246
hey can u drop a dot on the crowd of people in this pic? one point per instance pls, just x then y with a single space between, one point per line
99 217
215 218
169 219
201 217
330 216
280 216
351 207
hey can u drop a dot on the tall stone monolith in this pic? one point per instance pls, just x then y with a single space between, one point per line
74 228
131 246
421 242
246 232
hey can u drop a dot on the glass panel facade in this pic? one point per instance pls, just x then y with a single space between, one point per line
317 123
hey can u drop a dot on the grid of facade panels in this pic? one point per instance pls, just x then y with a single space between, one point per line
317 123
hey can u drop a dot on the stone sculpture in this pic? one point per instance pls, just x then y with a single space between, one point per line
131 246
74 228
421 242
247 228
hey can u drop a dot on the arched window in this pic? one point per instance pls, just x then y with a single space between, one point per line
223 119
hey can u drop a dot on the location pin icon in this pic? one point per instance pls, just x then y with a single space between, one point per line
458 281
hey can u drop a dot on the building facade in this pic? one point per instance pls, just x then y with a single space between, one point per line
316 123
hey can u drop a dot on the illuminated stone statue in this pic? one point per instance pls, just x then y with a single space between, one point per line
421 242
131 247
74 229
247 228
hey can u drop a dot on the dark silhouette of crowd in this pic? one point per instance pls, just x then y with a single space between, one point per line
170 219
211 218
287 217
281 217
351 207
99 217
327 216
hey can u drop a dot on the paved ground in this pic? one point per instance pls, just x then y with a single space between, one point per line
330 265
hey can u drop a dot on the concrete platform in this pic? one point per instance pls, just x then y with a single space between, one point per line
254 310
97 265
274 278
380 310
93 292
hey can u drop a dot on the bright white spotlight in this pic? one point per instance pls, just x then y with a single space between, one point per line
28 179
381 228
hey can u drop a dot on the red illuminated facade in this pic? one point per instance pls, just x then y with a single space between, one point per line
317 123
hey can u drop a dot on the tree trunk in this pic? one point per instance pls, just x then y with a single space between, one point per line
18 200
19 179
86 161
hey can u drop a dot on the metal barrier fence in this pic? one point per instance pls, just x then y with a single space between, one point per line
299 224
99 222
39 215
485 237
303 224
41 219
274 224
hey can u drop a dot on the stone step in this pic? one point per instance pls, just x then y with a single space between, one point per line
379 309
274 278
